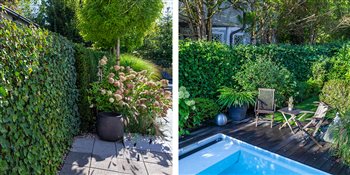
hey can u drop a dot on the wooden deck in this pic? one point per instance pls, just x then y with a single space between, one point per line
282 142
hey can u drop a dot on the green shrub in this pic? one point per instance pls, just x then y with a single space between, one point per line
185 107
139 64
263 73
86 66
340 65
206 66
38 99
336 93
205 109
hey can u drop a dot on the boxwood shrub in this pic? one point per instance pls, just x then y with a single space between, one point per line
206 66
38 99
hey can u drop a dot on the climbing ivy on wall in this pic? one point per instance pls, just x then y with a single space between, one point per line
38 99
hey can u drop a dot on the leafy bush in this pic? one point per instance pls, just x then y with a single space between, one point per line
86 61
205 66
340 65
130 93
38 99
205 109
139 64
185 107
336 93
263 73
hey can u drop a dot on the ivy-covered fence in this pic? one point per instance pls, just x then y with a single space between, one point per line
38 99
206 66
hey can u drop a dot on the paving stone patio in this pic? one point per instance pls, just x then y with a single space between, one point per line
91 156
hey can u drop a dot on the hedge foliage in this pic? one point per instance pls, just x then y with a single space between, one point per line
38 97
206 66
86 61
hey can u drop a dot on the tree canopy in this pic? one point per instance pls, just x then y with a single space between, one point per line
274 21
107 22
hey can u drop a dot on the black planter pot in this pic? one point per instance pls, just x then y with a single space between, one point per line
110 126
237 113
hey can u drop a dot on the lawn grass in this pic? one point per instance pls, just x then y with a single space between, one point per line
306 105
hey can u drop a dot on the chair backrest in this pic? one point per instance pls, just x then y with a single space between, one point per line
321 110
266 99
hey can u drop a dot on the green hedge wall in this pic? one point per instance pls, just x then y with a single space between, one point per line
86 65
206 66
38 96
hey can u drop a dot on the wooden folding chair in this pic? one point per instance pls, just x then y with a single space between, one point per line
265 104
315 122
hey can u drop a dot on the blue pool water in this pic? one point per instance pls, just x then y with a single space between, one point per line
223 155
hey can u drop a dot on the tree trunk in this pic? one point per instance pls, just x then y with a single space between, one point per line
209 29
117 52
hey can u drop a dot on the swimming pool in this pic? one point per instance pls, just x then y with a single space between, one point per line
223 155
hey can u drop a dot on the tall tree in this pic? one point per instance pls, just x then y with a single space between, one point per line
108 22
199 14
60 17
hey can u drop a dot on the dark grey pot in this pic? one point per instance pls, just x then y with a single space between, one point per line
237 113
110 126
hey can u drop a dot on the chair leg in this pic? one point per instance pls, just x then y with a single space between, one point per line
273 117
256 119
317 127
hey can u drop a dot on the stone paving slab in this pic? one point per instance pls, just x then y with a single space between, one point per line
69 169
83 145
157 158
94 171
77 158
156 169
104 148
113 158
147 143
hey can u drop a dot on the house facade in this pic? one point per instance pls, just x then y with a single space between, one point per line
226 28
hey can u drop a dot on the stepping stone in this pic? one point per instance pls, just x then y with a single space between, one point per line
68 169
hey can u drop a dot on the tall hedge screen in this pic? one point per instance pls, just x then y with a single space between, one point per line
206 66
38 99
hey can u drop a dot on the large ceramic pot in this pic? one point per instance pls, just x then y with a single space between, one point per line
110 126
237 113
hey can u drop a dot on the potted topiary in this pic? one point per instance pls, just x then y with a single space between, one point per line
126 97
236 102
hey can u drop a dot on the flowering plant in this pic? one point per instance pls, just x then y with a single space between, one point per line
131 93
